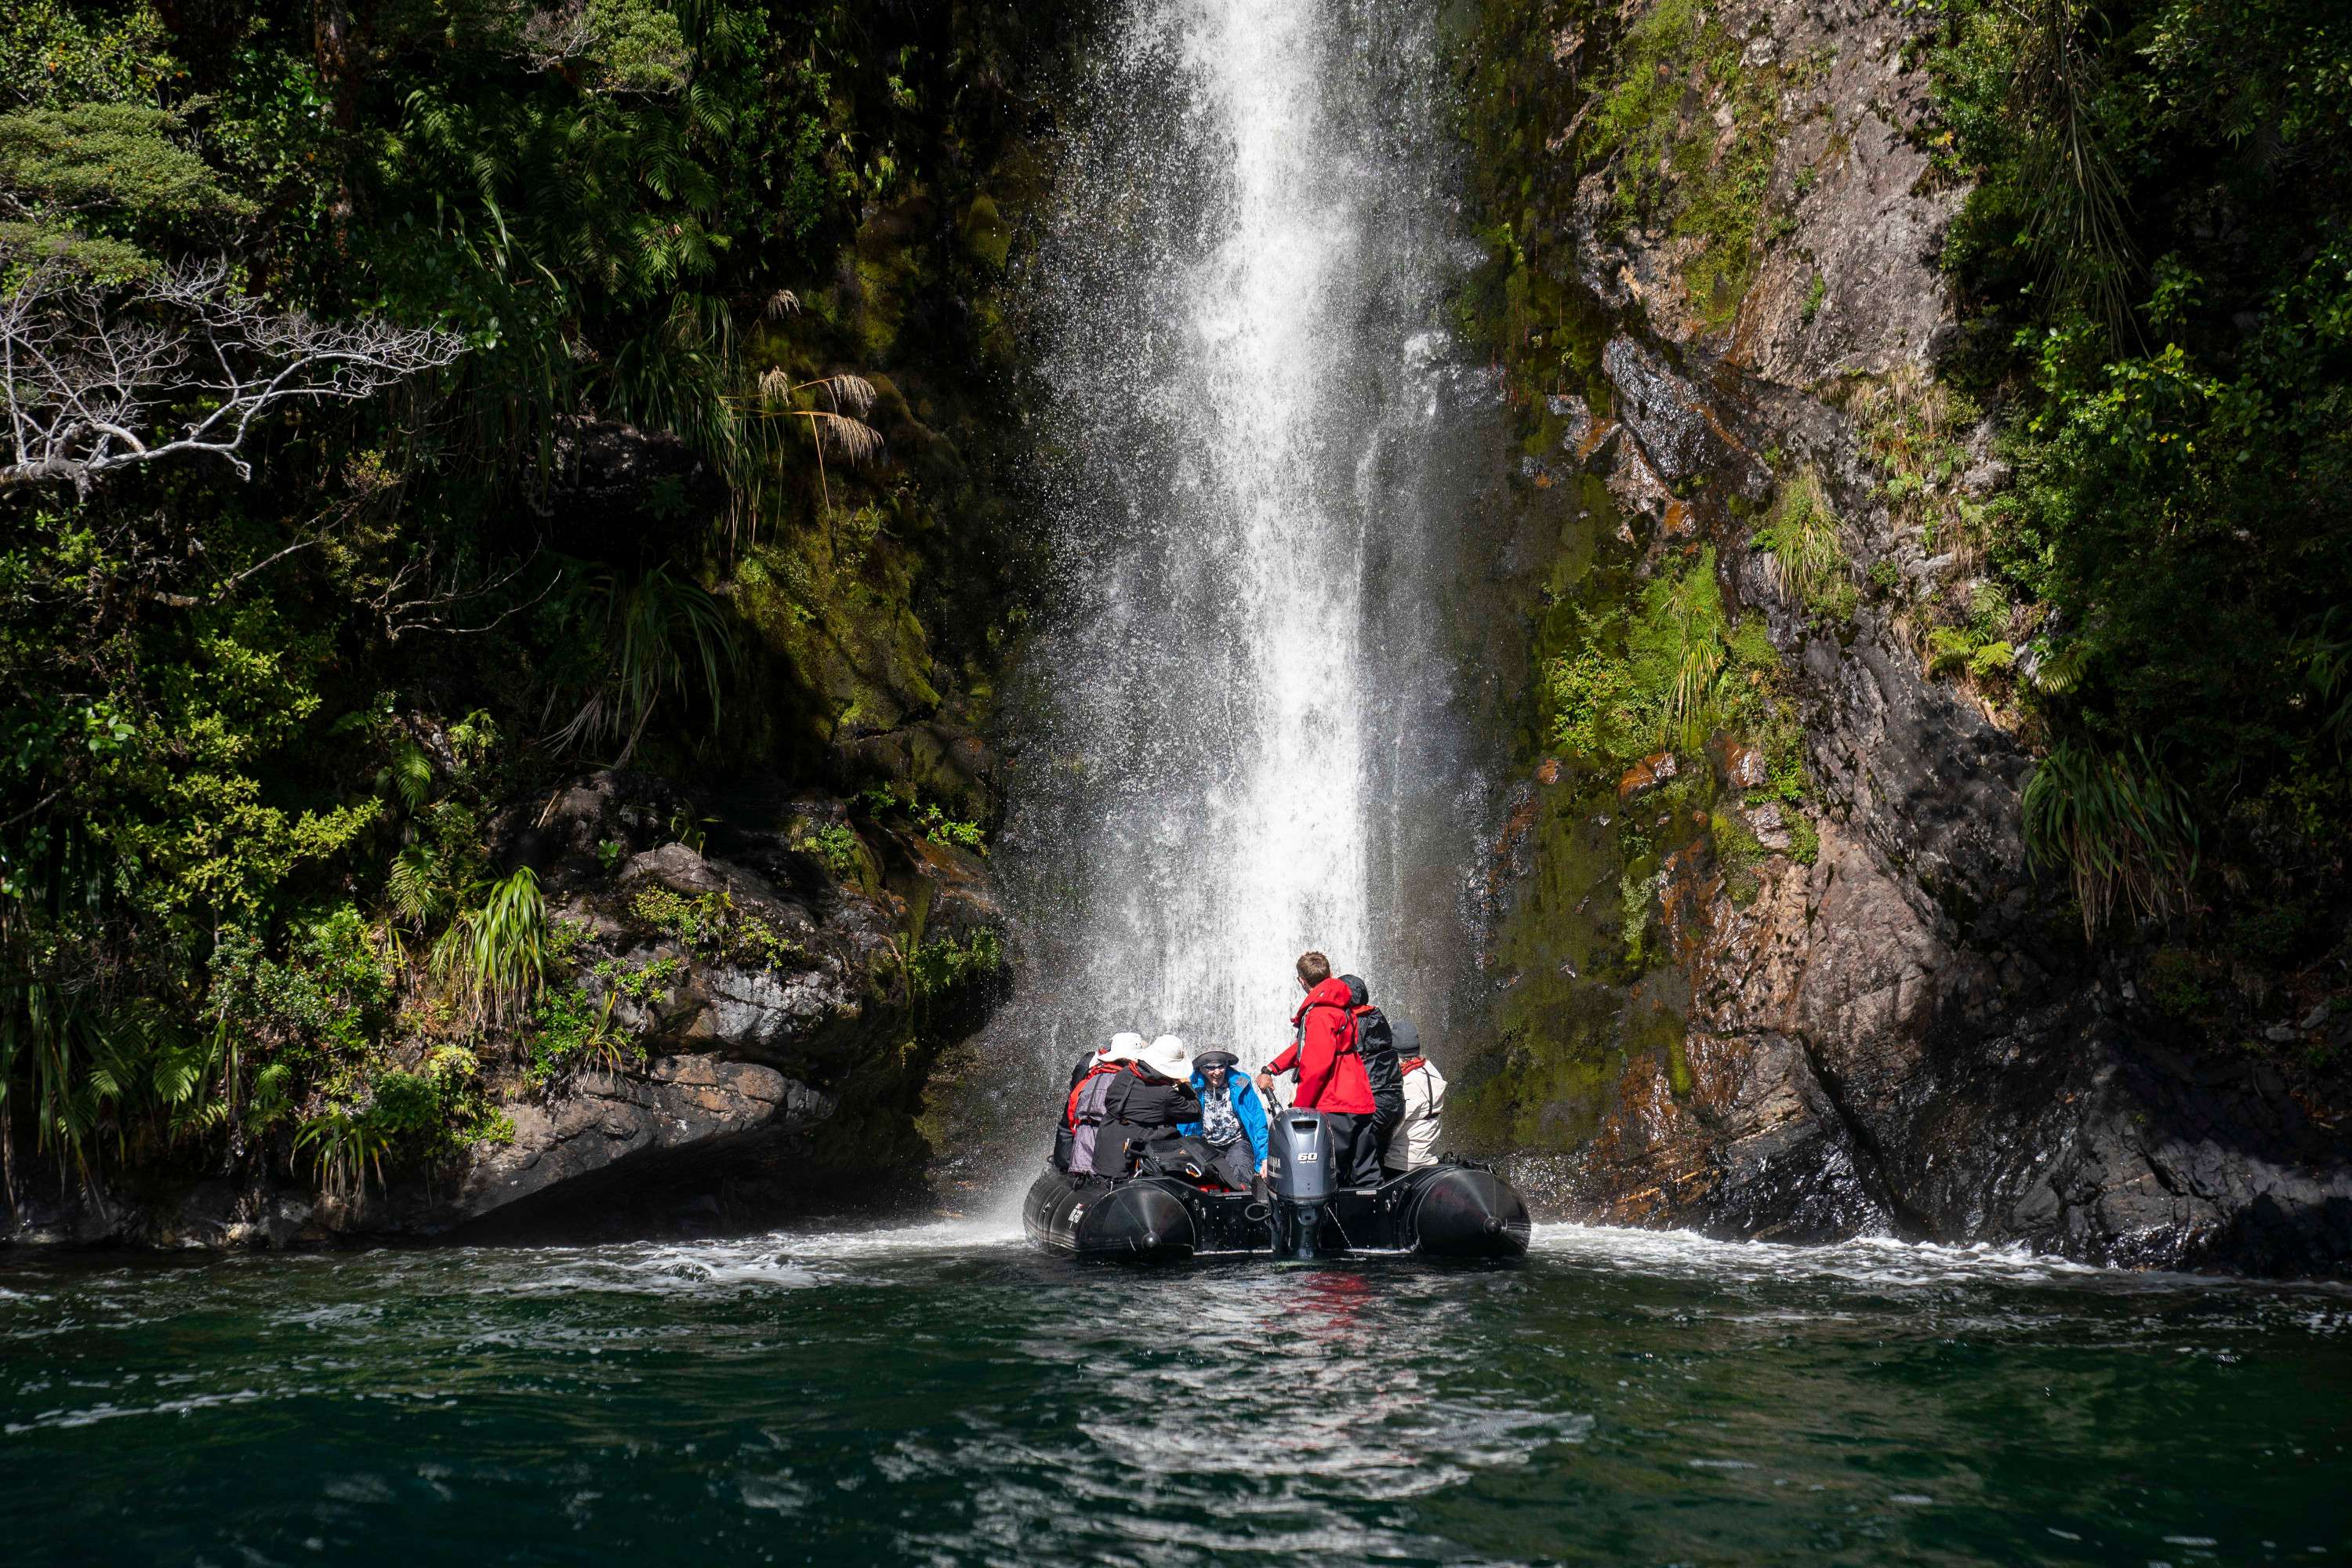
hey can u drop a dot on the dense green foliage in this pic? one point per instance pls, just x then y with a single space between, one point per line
2156 267
715 449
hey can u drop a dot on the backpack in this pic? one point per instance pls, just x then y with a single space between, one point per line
1184 1158
1376 1043
1082 1124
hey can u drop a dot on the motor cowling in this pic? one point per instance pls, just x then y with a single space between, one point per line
1299 1162
1299 1158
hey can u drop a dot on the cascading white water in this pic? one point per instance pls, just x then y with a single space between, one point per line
1235 740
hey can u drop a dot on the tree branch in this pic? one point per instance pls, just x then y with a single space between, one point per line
96 380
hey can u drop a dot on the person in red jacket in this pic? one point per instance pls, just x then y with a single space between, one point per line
1330 1070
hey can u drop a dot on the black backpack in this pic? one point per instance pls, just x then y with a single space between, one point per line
1376 1041
1186 1159
1376 1044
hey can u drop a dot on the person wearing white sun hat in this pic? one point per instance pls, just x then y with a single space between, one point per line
1150 1099
1123 1046
1082 1110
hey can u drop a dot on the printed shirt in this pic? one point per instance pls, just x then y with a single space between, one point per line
1219 1124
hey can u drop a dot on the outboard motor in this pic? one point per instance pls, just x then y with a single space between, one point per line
1299 1155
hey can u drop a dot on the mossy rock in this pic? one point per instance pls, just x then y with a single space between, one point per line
984 235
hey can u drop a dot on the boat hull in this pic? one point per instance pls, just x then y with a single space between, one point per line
1452 1210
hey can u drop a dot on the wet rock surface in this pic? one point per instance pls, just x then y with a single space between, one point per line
610 1123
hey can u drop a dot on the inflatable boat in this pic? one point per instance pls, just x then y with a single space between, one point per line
1454 1209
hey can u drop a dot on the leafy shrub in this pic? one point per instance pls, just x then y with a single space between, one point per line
331 991
645 983
940 828
1669 674
492 961
2121 828
2176 398
837 844
571 1031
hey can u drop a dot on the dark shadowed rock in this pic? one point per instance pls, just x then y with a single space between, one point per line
679 1106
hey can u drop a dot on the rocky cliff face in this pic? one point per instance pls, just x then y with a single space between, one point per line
752 1021
1842 1004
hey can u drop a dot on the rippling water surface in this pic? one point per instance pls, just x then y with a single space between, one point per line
943 1395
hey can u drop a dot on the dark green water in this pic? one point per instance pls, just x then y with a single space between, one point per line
941 1396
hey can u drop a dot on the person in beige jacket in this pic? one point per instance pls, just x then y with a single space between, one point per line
1414 1143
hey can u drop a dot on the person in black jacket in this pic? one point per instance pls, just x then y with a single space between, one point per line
1147 1101
1376 1043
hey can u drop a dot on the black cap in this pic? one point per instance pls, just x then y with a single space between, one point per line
1225 1059
1408 1037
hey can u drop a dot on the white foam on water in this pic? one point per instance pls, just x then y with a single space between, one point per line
1877 1261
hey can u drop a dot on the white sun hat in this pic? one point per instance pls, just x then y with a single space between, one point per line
1125 1047
1167 1056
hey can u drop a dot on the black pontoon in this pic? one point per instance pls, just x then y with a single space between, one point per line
1454 1209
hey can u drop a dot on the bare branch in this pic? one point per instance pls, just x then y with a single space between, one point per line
437 607
556 38
95 380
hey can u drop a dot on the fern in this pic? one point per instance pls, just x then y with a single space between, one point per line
409 773
416 884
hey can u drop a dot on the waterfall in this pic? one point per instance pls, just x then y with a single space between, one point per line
1237 736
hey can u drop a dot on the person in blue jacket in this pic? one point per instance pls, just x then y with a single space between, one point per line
1233 1119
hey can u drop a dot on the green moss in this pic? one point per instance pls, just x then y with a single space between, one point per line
1738 852
1679 1079
986 236
1677 66
1805 839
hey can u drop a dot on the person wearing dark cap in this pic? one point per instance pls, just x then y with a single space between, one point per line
1233 1119
1416 1142
1377 1041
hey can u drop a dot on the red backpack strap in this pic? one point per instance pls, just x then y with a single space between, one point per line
1070 1112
